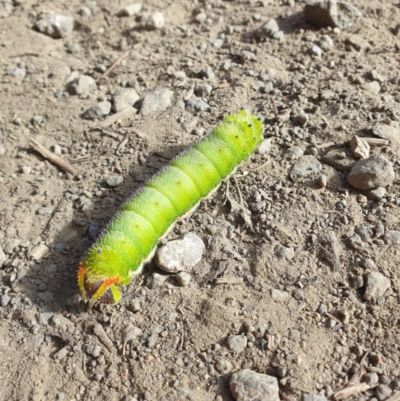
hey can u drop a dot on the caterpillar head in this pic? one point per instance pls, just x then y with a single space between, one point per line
102 289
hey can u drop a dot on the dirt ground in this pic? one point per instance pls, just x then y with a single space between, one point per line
293 282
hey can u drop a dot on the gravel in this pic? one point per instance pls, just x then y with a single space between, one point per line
247 385
386 131
236 344
376 171
377 284
156 101
332 13
306 167
99 110
55 25
180 255
124 99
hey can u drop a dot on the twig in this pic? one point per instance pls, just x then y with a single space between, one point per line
229 281
349 391
238 191
376 141
113 65
128 113
52 157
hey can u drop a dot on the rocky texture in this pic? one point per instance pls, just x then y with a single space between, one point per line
341 159
376 171
55 25
332 13
306 167
247 385
377 284
180 255
156 101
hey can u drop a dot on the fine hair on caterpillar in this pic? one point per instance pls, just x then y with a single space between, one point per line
131 238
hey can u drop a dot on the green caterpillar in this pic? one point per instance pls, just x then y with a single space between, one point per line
131 238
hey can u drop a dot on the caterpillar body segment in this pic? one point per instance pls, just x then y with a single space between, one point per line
132 236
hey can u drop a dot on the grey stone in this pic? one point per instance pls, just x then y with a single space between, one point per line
195 104
39 251
264 147
202 90
331 13
283 252
392 237
115 180
180 255
375 193
278 295
341 159
44 318
306 167
152 21
6 8
374 172
301 119
373 87
360 147
386 131
82 86
382 392
223 366
3 256
16 72
124 98
294 153
100 109
156 101
373 75
371 378
326 43
316 51
5 300
183 278
156 280
207 73
247 385
130 10
55 25
377 284
269 29
237 343
62 353
314 397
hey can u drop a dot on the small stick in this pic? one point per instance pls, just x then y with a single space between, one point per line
230 281
349 391
52 157
238 191
376 141
113 65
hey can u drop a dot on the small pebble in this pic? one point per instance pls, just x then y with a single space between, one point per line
180 255
156 101
115 180
99 110
183 279
248 385
55 25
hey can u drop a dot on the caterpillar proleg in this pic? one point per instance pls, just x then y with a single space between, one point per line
130 239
